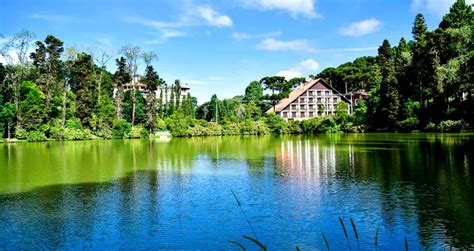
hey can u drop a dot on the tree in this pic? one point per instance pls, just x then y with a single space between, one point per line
148 57
403 60
253 92
132 53
279 87
171 107
151 81
389 96
460 15
32 106
214 109
177 90
82 83
18 68
121 77
47 59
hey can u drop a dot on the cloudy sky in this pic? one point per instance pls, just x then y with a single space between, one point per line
220 46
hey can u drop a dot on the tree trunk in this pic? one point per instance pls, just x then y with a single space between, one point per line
8 131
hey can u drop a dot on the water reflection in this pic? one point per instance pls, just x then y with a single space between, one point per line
147 194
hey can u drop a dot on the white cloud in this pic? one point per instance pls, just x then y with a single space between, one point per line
434 7
294 7
271 44
213 17
245 36
357 29
305 67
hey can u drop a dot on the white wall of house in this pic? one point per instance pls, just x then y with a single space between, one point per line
313 103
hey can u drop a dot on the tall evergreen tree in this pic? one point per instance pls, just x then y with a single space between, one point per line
460 14
82 84
177 90
171 102
389 96
121 77
151 81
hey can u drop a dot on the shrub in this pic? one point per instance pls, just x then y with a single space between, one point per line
20 133
73 123
34 136
409 124
431 127
138 132
121 129
451 125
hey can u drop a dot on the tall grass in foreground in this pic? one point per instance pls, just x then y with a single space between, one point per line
262 246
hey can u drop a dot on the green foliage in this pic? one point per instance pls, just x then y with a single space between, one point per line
409 124
121 129
32 113
137 132
451 126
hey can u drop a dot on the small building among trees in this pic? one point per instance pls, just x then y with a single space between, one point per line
313 98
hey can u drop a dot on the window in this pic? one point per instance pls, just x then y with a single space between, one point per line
302 100
319 93
327 93
302 115
285 115
311 114
293 114
293 107
310 93
311 100
320 100
302 107
335 100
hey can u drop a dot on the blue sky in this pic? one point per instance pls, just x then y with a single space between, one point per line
220 46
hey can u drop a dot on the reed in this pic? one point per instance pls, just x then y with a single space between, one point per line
245 215
376 237
355 229
343 227
263 247
326 241
237 244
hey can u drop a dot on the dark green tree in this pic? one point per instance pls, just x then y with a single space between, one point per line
83 86
47 59
460 14
151 81
121 77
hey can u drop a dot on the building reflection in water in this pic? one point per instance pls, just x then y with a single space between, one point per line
311 159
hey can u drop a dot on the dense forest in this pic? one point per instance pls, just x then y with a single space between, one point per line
60 93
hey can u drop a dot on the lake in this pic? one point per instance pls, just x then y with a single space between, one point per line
147 194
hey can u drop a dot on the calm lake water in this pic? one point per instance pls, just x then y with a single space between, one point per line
146 194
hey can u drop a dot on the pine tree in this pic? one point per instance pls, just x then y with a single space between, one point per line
460 15
83 85
177 90
389 96
171 102
121 77
151 81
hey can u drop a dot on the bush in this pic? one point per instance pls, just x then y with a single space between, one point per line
451 125
431 127
20 133
73 123
34 136
121 129
138 132
409 124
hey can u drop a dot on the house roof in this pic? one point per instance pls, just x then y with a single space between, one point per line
300 90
